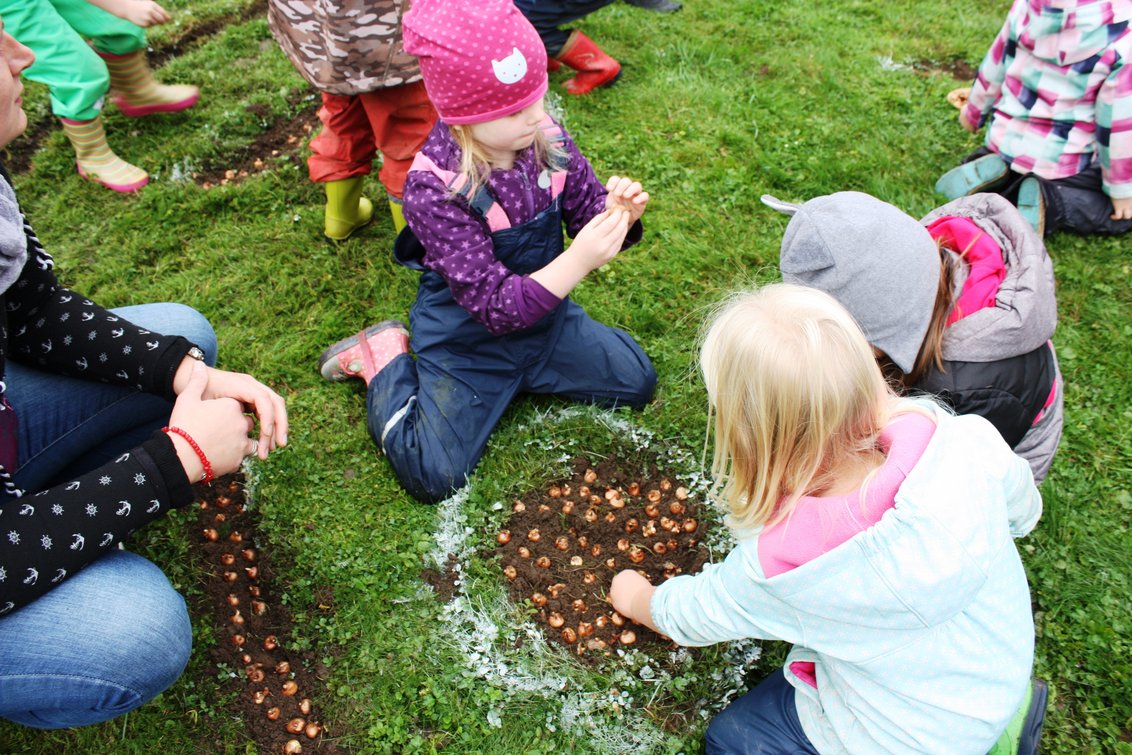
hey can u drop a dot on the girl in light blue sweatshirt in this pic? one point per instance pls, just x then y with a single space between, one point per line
875 535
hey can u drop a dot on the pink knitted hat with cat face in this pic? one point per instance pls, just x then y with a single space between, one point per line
480 59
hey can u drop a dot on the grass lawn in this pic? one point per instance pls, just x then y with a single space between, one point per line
719 103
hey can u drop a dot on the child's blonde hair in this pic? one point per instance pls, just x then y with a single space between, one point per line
797 395
475 163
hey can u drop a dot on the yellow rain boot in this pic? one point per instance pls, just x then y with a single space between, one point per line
397 212
137 93
97 162
346 209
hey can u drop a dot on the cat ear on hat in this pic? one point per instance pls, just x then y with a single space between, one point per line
804 250
775 203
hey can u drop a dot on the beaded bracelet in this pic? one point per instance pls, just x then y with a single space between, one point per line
207 478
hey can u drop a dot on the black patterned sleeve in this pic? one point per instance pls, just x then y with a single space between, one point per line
58 330
46 537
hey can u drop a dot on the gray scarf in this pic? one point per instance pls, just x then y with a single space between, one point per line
13 241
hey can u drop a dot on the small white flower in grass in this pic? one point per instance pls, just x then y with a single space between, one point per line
494 719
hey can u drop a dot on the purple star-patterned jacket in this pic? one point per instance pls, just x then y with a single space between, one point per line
48 535
458 243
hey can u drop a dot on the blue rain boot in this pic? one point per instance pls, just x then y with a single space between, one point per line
1031 203
1024 731
973 177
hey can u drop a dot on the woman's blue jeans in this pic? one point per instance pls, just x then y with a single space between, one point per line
115 634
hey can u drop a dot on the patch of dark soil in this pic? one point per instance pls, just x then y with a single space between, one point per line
251 625
443 582
563 545
283 136
957 68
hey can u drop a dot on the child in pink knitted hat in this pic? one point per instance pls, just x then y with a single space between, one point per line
486 201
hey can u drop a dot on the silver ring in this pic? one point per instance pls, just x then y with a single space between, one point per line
255 448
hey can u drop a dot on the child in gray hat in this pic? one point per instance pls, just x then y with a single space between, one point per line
960 305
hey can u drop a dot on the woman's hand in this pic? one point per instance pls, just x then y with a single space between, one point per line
631 594
252 395
626 194
218 425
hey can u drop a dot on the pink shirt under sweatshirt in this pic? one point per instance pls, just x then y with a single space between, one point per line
820 524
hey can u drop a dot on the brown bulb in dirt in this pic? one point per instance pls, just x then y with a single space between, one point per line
568 507
259 608
555 620
518 507
659 549
503 537
585 629
510 571
610 563
611 518
566 489
652 510
237 619
543 562
654 496
524 552
534 536
305 706
253 590
554 491
249 554
282 668
584 492
255 675
617 619
666 485
233 600
690 525
236 537
543 508
681 493
210 534
556 588
677 508
617 503
538 599
590 476
583 542
562 543
576 561
296 725
673 544
690 543
569 636
223 501
595 500
612 493
649 528
245 659
290 687
636 555
227 558
238 640
591 515
260 695
601 622
631 525
596 550
579 605
668 524
233 487
273 714
623 544
628 637
633 489
220 517
293 747
312 730
270 642
595 644
589 578
251 571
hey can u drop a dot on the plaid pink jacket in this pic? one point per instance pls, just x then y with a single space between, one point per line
1057 90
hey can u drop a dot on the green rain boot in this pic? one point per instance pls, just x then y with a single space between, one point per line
1024 732
346 209
397 212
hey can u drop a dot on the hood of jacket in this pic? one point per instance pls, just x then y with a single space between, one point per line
1065 32
1025 312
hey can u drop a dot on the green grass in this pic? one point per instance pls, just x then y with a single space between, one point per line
718 104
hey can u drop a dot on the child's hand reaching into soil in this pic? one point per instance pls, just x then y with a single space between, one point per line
630 594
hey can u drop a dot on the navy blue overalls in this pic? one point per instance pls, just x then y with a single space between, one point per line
432 417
